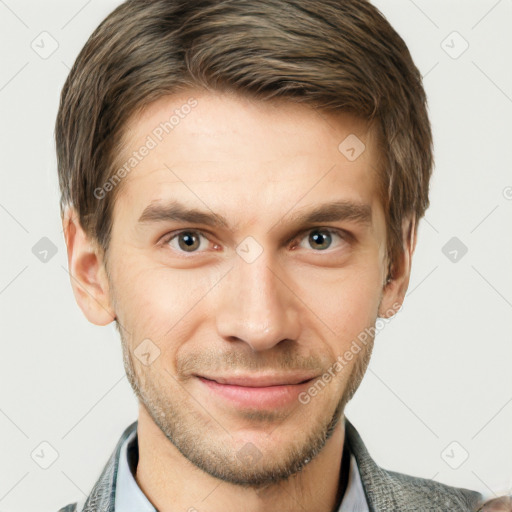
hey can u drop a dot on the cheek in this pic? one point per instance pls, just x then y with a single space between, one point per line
155 301
347 304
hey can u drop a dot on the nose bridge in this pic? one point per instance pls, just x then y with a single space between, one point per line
255 306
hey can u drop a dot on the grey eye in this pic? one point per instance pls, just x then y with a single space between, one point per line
320 239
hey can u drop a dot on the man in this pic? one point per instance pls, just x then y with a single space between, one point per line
241 188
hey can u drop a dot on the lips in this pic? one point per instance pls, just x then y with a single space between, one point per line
260 381
256 391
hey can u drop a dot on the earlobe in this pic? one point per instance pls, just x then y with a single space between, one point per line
87 272
395 288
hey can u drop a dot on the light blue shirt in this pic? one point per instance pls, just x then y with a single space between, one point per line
130 498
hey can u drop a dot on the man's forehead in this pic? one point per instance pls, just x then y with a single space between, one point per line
253 185
216 113
201 150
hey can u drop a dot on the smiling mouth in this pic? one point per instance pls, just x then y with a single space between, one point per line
259 381
256 392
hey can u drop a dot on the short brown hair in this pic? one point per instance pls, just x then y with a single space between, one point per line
336 55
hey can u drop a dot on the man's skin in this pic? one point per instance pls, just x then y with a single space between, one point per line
294 309
501 504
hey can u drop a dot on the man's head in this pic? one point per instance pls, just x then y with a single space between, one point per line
297 132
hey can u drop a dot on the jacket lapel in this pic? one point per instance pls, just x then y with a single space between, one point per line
102 496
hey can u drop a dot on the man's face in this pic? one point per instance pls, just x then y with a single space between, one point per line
261 293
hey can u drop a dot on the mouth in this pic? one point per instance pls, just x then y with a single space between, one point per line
262 380
257 391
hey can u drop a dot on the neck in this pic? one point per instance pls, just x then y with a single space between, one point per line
172 483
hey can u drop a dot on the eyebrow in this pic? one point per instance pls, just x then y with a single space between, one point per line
328 212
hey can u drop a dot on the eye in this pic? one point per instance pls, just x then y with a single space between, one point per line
186 241
321 238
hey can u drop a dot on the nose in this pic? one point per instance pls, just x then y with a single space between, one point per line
254 304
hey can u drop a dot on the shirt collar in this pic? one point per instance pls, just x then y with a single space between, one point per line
129 496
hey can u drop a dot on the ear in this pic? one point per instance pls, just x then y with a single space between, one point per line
87 271
394 289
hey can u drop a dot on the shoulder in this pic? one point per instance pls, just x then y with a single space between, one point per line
440 495
103 491
68 508
390 490
77 506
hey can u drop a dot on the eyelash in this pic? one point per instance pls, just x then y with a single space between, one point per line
342 234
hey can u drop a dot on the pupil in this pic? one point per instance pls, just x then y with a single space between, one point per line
188 240
316 237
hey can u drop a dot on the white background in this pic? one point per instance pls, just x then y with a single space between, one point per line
441 370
